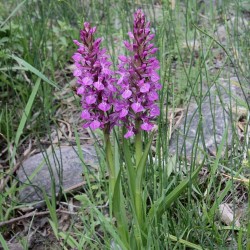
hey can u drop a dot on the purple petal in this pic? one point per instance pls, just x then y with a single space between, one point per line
77 57
87 81
104 106
112 88
106 71
153 50
155 111
141 82
155 77
98 85
123 58
77 72
85 115
86 25
128 45
137 107
122 78
77 43
158 86
97 42
130 133
130 34
147 126
90 99
150 46
80 90
86 125
150 37
126 94
92 30
95 124
123 113
152 96
145 88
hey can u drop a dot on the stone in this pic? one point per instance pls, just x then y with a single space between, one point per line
227 30
62 164
221 34
14 246
213 117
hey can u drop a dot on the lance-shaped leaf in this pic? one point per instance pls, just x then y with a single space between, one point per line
119 210
142 165
165 202
130 168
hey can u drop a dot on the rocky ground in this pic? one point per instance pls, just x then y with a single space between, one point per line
221 110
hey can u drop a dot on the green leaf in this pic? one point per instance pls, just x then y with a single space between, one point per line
142 165
104 221
216 162
54 228
69 240
3 243
165 202
34 70
24 118
52 209
130 168
185 242
12 13
119 210
140 207
223 193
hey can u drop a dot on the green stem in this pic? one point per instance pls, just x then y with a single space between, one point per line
138 190
138 143
111 167
115 193
138 207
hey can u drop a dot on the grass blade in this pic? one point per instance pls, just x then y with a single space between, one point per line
12 13
165 202
216 162
119 210
185 242
3 243
130 168
103 220
24 118
142 165
34 70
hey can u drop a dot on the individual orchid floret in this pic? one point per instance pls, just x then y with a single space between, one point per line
95 79
139 80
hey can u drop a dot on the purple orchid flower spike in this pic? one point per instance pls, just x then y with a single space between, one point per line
131 99
139 80
95 79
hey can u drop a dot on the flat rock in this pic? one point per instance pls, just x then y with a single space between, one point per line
62 164
212 117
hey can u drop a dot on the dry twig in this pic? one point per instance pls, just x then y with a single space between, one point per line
31 214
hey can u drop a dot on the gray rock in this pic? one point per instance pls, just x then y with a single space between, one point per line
212 116
225 31
63 165
221 34
14 246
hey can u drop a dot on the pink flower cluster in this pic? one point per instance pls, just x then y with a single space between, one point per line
131 98
95 79
139 80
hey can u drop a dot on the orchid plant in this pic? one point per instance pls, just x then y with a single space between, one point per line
126 98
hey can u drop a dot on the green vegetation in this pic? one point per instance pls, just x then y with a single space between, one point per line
199 42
